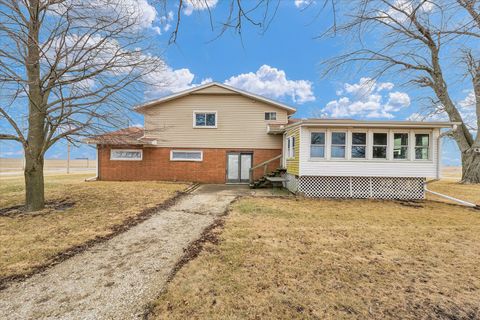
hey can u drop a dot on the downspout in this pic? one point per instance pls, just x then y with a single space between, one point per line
438 176
462 202
96 166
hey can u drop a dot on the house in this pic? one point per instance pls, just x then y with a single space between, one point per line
214 133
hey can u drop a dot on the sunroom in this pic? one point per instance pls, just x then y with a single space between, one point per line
362 159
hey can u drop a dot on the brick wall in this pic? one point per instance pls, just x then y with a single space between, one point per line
156 165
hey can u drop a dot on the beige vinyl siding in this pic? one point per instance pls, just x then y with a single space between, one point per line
369 167
240 122
293 164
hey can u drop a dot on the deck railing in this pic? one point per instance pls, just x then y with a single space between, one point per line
265 167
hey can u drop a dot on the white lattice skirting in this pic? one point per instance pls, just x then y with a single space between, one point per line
359 187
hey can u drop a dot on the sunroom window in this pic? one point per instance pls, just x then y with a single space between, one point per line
380 143
338 144
422 146
400 145
317 145
205 119
359 145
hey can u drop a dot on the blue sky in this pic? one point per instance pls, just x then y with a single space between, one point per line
283 62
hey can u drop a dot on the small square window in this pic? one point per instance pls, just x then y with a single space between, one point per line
270 116
205 119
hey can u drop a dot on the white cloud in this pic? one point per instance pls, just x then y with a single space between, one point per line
140 13
366 99
393 15
303 3
198 5
166 22
272 82
466 107
168 80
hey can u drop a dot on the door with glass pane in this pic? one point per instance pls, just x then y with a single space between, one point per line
238 167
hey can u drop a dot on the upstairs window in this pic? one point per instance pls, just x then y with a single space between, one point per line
270 116
400 146
380 143
291 147
317 145
338 144
359 145
422 146
204 119
126 154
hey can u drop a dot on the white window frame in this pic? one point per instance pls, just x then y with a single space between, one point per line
205 126
291 147
270 112
112 158
430 145
392 149
324 144
372 145
186 159
331 144
366 145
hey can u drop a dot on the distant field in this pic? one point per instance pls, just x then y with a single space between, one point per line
451 173
15 165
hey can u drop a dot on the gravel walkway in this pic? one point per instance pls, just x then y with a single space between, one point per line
118 278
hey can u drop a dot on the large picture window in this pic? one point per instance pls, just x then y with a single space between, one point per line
338 144
400 145
126 154
317 145
186 155
380 143
204 119
359 145
422 146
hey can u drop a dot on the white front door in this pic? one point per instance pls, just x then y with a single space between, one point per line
238 167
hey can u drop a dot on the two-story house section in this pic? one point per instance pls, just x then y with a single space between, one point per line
211 134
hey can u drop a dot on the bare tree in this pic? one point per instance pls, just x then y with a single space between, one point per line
431 44
69 66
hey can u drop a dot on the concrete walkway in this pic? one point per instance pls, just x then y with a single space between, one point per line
119 278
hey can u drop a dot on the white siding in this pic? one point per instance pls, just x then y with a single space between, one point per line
368 167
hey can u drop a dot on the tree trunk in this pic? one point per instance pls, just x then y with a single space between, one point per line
470 167
34 185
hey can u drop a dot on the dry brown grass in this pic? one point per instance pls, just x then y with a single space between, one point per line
31 240
325 259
